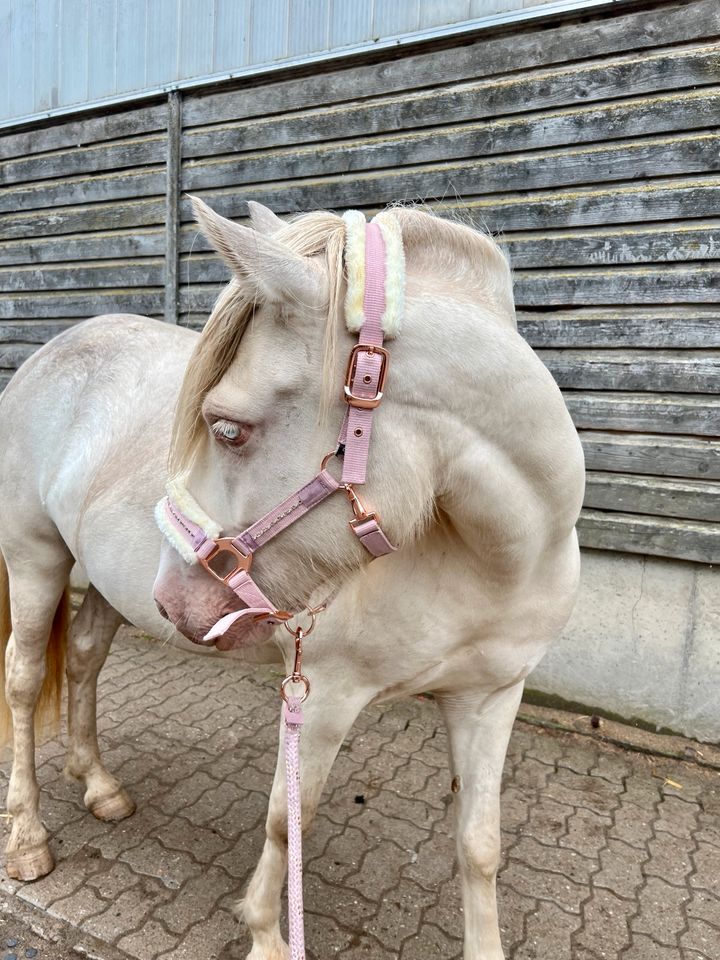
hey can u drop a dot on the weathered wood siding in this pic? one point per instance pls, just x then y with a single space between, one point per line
82 225
591 148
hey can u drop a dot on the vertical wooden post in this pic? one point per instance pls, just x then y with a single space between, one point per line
172 204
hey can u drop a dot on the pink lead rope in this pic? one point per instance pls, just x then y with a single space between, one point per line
293 718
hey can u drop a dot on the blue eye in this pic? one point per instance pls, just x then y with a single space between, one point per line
230 432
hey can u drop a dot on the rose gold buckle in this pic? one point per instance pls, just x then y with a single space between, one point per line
225 545
365 403
354 523
359 509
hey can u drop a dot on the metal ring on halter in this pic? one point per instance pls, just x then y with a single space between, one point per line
313 617
338 453
301 678
327 458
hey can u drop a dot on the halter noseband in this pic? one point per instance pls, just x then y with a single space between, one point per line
373 307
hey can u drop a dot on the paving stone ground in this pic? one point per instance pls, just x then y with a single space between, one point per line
607 853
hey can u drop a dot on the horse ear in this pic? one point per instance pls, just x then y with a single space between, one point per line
277 273
263 219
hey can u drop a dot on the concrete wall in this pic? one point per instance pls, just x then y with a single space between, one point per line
643 643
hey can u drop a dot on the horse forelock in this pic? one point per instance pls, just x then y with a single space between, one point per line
453 252
309 234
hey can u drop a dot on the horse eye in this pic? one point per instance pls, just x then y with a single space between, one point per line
230 432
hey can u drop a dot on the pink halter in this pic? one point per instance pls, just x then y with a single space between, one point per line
364 384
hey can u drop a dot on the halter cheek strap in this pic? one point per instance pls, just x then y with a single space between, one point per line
368 364
372 306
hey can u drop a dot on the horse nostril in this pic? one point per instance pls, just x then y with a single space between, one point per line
161 609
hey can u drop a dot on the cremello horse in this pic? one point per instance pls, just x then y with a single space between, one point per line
475 467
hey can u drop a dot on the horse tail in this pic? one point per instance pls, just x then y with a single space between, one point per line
47 713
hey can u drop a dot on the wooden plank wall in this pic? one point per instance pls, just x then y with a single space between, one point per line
82 225
590 147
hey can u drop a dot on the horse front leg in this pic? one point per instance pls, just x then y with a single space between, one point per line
89 641
479 728
329 714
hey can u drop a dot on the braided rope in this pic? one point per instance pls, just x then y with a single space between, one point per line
293 717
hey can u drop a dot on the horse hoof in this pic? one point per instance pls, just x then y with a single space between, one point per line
117 806
30 864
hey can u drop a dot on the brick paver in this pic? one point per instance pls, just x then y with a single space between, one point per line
603 856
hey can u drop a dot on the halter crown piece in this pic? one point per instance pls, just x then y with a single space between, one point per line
375 266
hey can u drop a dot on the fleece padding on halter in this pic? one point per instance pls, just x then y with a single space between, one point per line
198 526
355 266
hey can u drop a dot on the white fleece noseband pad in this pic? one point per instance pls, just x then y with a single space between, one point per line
178 492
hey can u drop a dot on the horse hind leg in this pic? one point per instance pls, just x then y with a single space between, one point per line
89 641
37 583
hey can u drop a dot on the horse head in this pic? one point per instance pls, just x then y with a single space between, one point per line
263 398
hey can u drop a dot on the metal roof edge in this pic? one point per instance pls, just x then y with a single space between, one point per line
478 25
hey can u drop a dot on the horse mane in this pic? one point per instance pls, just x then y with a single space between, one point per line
465 257
458 250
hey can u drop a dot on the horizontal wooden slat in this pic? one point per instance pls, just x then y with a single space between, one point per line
96 216
689 283
83 160
684 539
12 355
203 268
72 276
143 182
81 304
531 91
690 457
662 199
645 412
199 299
627 245
660 326
140 242
635 30
31 332
688 371
74 133
194 321
523 159
627 493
